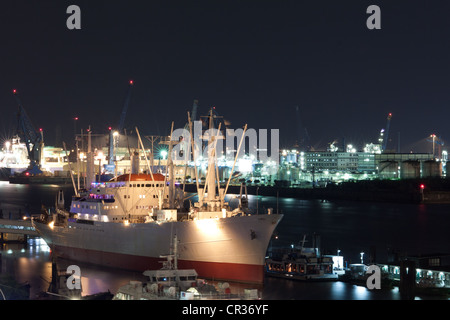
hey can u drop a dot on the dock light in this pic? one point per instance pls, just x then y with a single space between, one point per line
163 154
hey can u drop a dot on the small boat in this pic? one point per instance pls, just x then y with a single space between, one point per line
171 283
304 264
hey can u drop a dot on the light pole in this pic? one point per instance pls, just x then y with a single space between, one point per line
434 137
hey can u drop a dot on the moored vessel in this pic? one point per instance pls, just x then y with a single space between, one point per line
129 223
304 263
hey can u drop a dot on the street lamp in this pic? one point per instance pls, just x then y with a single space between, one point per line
434 137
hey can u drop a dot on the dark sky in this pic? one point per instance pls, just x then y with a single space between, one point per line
254 60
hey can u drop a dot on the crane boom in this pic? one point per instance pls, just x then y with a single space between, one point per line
125 108
388 124
33 139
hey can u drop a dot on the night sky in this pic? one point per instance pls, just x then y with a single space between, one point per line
255 61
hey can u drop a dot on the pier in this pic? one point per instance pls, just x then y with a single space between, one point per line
17 227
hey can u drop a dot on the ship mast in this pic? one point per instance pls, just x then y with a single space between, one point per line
214 202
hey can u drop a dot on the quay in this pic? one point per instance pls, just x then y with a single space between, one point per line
16 227
411 279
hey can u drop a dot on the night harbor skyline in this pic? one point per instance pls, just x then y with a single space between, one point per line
314 71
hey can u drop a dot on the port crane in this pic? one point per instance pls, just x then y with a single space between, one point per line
125 107
114 134
33 139
384 134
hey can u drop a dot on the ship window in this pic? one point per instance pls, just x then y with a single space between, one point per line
157 185
147 185
134 185
138 185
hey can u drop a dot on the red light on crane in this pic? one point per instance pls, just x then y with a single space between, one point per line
422 186
109 128
14 91
131 81
40 129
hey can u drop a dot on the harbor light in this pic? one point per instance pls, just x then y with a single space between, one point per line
163 154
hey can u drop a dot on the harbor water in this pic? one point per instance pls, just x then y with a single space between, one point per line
377 229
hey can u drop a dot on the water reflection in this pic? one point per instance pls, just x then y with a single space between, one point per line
350 227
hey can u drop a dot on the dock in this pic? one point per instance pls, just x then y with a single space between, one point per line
16 227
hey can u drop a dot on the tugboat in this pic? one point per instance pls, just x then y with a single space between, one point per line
306 264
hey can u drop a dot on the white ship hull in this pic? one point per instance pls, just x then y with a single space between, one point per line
232 248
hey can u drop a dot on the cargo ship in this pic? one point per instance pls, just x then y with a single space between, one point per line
130 221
